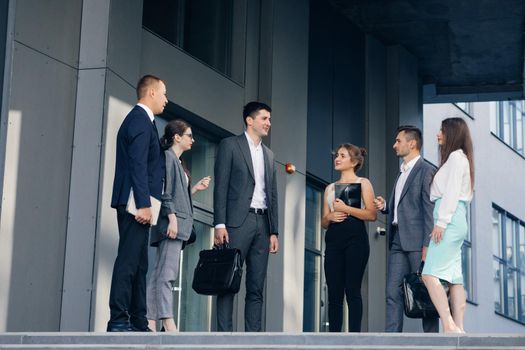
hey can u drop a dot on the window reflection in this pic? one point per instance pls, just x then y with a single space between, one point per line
507 122
212 31
508 264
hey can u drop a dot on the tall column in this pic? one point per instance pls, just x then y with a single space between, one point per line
85 168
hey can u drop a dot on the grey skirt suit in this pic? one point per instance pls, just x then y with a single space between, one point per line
176 199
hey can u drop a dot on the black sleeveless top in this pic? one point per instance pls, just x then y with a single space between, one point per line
339 234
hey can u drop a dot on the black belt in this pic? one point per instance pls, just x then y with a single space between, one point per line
258 211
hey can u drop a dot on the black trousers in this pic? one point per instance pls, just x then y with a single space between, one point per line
127 298
346 255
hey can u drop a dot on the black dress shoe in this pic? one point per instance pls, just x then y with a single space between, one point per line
119 327
136 329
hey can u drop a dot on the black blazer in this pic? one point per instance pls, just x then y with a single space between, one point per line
140 161
235 183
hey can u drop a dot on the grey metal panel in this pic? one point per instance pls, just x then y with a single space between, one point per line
5 238
320 92
290 83
377 144
124 43
251 80
51 27
193 85
37 175
289 91
349 85
119 98
4 12
94 34
83 202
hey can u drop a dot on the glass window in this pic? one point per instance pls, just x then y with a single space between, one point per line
465 106
466 258
313 316
212 31
200 161
498 287
507 122
312 291
509 272
496 233
195 312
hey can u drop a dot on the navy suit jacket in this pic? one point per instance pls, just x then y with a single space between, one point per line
140 161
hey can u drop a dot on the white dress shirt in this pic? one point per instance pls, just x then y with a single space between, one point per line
148 111
405 170
259 195
451 184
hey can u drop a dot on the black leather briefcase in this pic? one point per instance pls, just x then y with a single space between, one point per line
416 299
219 271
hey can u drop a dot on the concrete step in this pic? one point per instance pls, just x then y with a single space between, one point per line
259 341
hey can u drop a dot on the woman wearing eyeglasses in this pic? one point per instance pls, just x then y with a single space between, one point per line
174 226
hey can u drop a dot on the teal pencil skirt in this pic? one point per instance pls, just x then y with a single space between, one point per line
444 259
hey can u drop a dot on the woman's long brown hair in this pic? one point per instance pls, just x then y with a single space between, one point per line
456 135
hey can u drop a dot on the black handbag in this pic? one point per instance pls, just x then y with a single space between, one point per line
219 271
416 299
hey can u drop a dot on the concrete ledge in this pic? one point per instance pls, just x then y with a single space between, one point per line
256 341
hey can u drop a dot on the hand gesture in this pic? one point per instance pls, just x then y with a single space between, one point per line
220 236
337 216
172 227
339 205
379 203
144 216
202 184
437 234
274 244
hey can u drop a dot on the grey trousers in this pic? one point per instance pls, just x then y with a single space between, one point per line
253 240
400 263
159 291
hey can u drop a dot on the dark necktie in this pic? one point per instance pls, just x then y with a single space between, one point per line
155 127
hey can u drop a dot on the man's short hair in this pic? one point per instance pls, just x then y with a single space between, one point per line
251 109
145 83
412 133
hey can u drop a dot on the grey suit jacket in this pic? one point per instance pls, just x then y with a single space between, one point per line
414 211
176 199
235 182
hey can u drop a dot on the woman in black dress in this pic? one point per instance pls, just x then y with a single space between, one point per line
348 204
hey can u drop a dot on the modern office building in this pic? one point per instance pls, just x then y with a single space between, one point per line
332 71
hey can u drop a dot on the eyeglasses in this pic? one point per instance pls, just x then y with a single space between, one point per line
190 135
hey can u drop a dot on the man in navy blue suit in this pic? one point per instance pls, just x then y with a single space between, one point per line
139 166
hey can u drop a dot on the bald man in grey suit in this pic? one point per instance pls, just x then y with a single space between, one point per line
410 223
245 210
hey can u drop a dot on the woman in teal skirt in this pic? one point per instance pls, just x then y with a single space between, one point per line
451 190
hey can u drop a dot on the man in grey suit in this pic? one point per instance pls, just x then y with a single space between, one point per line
245 210
410 223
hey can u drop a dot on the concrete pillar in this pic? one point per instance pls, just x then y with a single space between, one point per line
85 168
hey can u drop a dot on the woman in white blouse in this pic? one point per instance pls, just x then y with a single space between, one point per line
451 190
